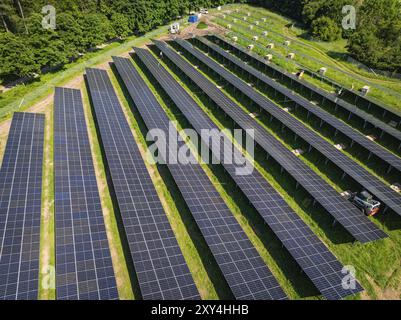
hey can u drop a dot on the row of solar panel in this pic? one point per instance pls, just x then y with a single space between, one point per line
359 174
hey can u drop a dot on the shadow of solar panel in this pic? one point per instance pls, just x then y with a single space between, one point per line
316 91
159 264
368 181
342 210
288 227
240 263
84 269
20 207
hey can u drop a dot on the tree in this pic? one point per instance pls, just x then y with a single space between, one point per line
310 10
98 30
120 25
16 61
47 47
71 33
325 29
377 40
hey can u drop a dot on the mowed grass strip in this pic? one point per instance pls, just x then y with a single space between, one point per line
47 261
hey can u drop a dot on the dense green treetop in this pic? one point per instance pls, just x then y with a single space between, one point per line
26 48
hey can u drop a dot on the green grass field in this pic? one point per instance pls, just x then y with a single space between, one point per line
377 264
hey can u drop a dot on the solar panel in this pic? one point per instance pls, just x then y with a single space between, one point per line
374 185
160 267
245 272
358 225
20 207
314 258
324 95
336 124
84 269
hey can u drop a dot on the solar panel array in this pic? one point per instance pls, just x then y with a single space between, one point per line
20 207
324 95
242 267
341 209
84 269
335 123
370 182
314 258
159 264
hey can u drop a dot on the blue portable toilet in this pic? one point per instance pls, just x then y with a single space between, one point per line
193 19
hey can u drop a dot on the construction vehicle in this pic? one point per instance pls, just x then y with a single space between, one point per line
364 201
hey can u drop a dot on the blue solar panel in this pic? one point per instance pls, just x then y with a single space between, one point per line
160 267
242 267
20 208
84 269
